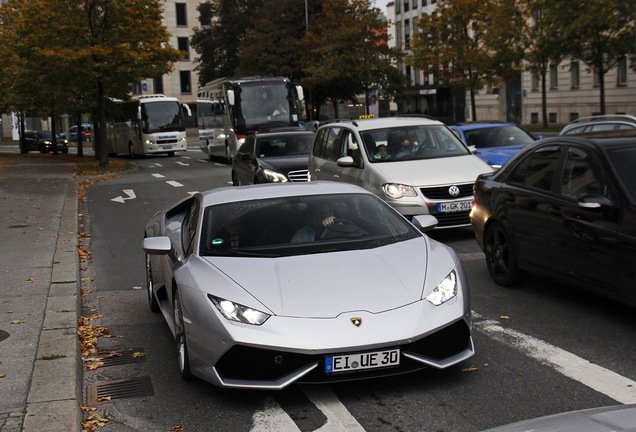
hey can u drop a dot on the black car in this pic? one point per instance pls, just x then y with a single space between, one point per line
42 141
273 157
563 207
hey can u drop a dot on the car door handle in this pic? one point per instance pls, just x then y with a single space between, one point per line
336 176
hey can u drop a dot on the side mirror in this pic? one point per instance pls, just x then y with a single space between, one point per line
157 245
595 202
424 222
346 161
301 93
230 97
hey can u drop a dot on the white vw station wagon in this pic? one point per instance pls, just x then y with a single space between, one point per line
415 163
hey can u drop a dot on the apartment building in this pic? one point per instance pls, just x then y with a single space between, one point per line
573 90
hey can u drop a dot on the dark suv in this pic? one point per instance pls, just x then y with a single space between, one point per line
42 141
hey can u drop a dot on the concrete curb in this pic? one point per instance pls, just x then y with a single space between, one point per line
55 394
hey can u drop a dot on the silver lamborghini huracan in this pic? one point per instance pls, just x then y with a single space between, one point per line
267 285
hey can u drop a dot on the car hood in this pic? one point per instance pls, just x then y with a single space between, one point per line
431 172
499 155
285 163
325 285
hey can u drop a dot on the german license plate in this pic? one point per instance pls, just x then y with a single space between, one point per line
362 361
457 206
166 147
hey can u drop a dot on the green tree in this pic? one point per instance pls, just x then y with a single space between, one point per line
87 49
543 39
346 52
272 41
452 45
602 32
219 42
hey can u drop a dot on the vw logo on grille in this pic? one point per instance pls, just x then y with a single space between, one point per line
453 191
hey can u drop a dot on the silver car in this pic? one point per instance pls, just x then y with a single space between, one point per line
416 164
267 285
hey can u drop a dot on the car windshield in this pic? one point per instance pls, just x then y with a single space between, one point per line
411 143
46 135
301 225
284 145
497 136
624 160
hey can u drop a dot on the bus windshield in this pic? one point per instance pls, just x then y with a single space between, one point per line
164 116
265 104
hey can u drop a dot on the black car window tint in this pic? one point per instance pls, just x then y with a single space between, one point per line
189 227
537 169
624 161
580 176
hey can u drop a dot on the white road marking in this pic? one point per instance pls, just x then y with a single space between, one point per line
158 175
186 157
182 163
338 417
272 418
130 195
596 377
174 183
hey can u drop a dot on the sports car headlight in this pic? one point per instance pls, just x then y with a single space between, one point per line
274 176
395 190
237 312
445 290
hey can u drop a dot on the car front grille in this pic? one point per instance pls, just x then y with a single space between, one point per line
249 363
298 176
442 193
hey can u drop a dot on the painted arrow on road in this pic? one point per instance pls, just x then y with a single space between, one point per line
121 199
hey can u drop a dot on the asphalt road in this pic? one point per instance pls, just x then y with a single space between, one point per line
542 348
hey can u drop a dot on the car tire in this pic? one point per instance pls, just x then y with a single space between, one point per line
500 256
183 358
65 151
153 304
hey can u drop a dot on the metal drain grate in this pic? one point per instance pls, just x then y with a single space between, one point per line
124 357
131 387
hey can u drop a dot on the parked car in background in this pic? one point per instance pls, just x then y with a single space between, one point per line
495 143
42 141
255 302
275 156
599 123
563 207
72 133
414 163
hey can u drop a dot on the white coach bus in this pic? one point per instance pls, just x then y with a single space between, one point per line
229 109
146 124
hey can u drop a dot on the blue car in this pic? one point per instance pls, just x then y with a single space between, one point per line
495 143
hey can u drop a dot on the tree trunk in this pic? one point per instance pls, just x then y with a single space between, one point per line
601 78
473 108
100 141
544 99
80 136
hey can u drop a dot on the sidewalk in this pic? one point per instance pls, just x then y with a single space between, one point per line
40 364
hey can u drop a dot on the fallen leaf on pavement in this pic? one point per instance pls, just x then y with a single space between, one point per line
470 369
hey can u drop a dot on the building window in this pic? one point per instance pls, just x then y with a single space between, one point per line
554 77
407 34
621 69
157 85
597 78
406 5
186 86
184 45
574 116
575 74
414 4
182 14
534 84
552 117
534 118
